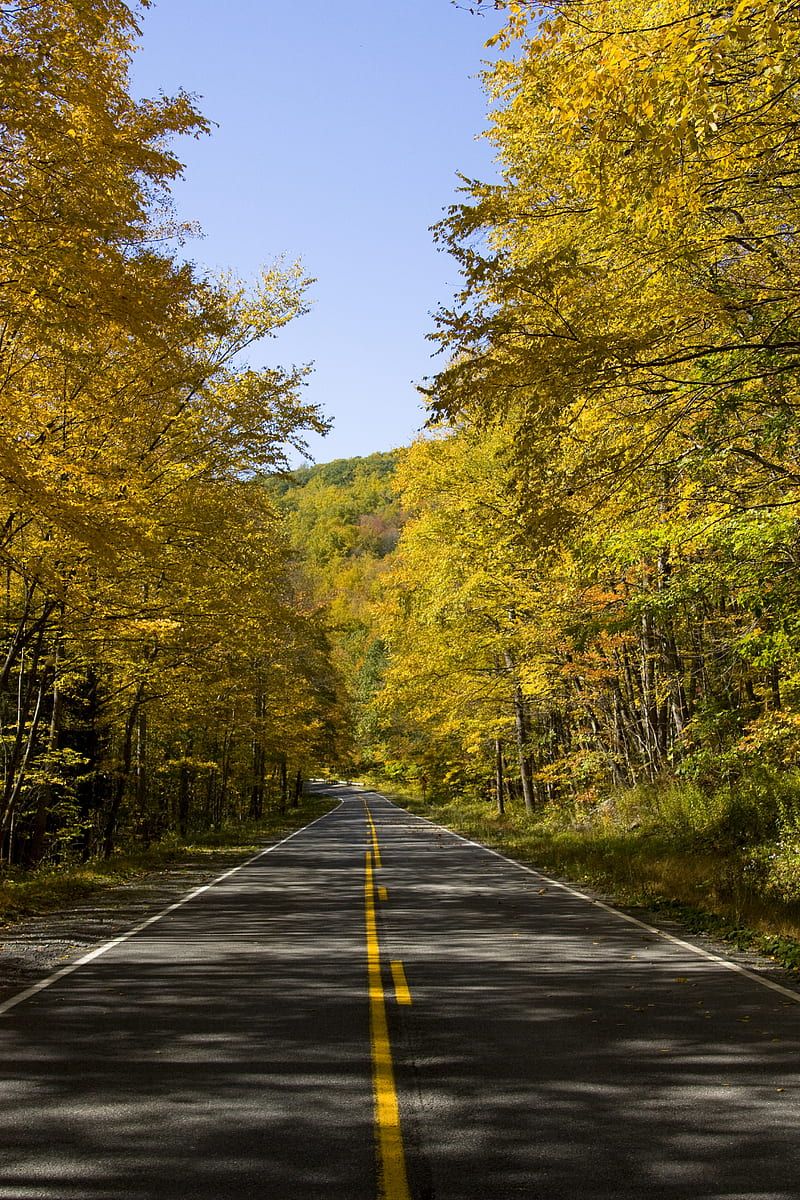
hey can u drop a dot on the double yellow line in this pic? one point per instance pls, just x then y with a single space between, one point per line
391 1162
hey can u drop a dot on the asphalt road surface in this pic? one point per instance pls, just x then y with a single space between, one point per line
376 1009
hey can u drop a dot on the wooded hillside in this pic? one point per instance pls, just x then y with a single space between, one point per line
344 520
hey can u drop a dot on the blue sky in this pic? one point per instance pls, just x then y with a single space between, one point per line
341 131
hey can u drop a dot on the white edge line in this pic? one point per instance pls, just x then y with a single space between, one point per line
49 980
668 937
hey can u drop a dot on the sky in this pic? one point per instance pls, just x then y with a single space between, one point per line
341 130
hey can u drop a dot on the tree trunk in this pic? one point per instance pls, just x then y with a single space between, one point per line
17 763
183 800
225 774
121 776
650 712
141 761
284 788
775 687
256 808
45 798
498 775
521 732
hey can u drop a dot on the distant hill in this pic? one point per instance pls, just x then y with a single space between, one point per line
344 520
343 509
341 472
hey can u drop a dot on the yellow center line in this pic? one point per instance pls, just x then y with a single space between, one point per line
391 1162
376 850
402 994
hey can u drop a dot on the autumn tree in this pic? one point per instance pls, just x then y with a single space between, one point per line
461 591
628 321
638 257
130 424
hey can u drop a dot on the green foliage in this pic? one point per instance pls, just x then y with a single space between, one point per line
341 510
344 520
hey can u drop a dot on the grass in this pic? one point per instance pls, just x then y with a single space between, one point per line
50 888
725 891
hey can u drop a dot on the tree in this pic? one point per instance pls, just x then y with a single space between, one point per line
130 425
344 519
636 269
628 320
461 589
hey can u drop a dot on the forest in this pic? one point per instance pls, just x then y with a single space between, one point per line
568 613
594 607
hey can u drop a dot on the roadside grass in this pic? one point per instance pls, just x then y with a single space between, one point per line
727 892
49 888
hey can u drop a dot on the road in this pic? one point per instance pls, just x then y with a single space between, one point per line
376 1009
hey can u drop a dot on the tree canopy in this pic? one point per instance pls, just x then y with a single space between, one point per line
611 498
158 656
